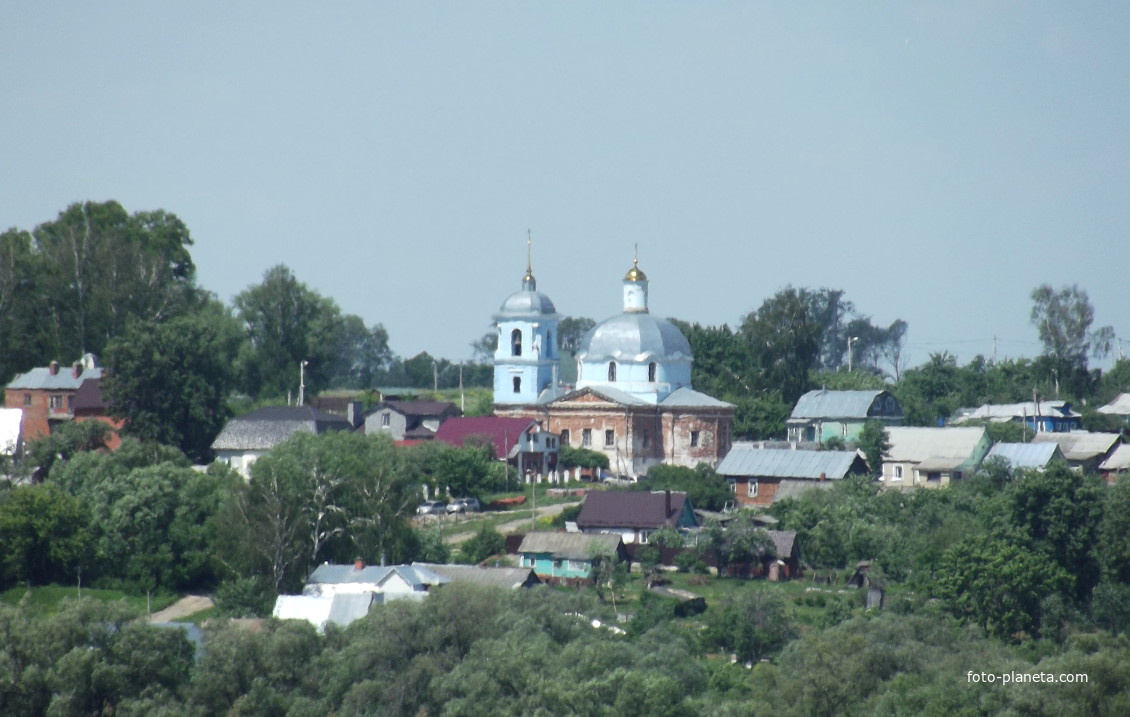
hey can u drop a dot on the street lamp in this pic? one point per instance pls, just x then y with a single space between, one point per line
851 341
302 382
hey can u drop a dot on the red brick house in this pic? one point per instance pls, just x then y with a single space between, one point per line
46 395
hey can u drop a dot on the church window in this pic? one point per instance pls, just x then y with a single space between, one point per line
651 372
565 437
517 384
611 370
516 342
586 437
694 438
609 437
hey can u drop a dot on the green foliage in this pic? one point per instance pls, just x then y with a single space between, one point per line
70 439
1114 534
485 543
171 380
570 457
740 541
705 488
45 535
873 442
752 625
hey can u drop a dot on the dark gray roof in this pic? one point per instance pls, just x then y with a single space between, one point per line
746 459
631 509
783 542
835 404
569 546
269 426
496 577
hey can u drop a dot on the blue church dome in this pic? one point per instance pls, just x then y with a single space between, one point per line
634 337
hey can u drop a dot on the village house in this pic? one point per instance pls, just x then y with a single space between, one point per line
568 557
635 515
762 476
46 395
1035 416
821 415
1084 451
1117 465
519 441
932 457
1118 408
244 439
408 420
633 400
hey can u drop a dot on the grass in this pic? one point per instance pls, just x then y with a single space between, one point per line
45 599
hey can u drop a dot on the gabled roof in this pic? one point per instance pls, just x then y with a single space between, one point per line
320 610
747 459
835 404
417 409
933 448
269 426
689 398
783 541
1120 406
1119 460
503 433
570 546
330 574
1079 445
88 397
1000 412
478 575
631 509
1026 455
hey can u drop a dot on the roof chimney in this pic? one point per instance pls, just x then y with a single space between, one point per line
359 564
76 369
53 369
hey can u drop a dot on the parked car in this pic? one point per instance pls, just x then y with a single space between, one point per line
431 507
464 505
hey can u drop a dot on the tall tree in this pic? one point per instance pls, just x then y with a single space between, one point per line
783 337
287 323
170 381
1063 319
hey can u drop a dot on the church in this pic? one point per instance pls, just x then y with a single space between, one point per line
633 399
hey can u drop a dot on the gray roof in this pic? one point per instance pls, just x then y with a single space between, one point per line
570 546
1025 455
835 404
746 459
63 380
935 448
679 398
1119 460
1079 445
328 573
527 303
1000 412
1120 406
634 336
267 427
496 577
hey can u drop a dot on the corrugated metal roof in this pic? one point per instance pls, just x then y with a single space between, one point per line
635 336
1079 445
938 448
1025 455
998 412
495 577
1120 406
570 546
748 460
502 432
689 398
834 404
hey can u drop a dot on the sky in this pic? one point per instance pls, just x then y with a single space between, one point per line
935 160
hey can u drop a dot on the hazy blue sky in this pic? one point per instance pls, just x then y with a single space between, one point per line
936 160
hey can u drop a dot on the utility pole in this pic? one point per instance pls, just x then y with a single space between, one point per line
851 341
302 382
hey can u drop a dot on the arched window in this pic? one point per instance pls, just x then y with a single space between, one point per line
516 342
611 370
517 384
651 371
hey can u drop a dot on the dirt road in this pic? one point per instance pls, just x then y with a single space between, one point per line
513 526
188 605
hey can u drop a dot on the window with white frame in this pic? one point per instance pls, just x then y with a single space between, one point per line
751 489
898 473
